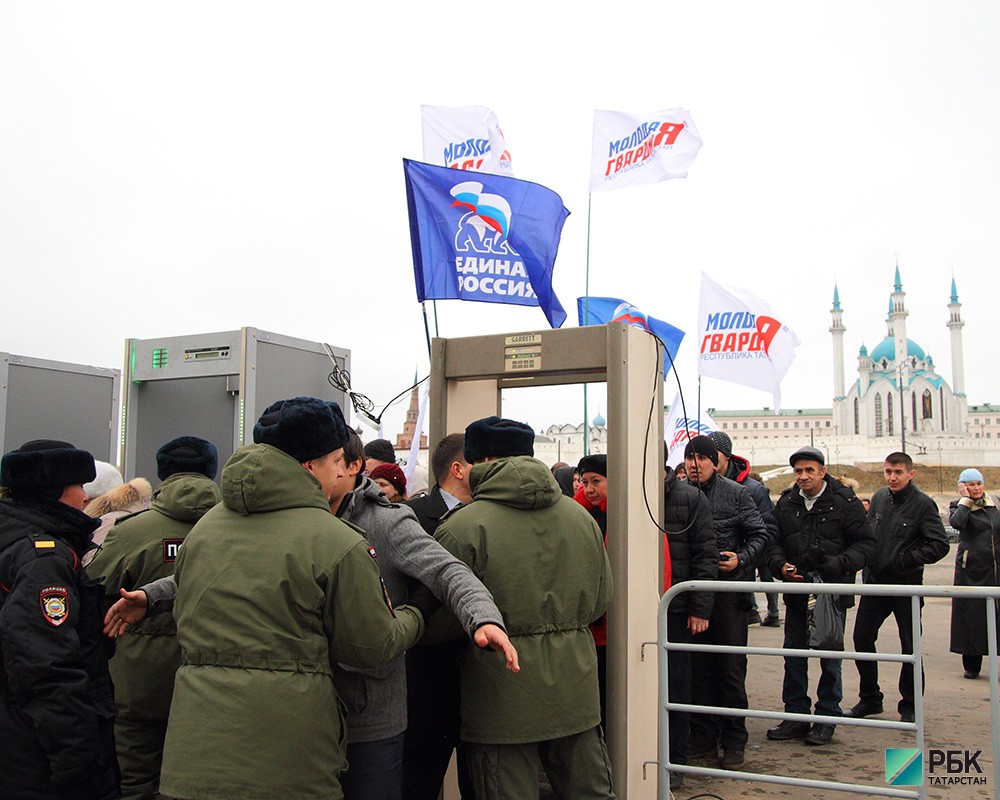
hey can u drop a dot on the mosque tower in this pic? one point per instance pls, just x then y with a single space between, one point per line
955 325
898 316
837 329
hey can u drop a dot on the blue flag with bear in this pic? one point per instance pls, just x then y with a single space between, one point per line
599 310
477 236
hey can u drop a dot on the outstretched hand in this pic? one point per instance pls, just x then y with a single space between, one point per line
494 637
127 611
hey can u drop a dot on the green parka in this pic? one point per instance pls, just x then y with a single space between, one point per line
139 549
542 557
272 592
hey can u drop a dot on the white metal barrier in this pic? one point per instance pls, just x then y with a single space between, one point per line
916 593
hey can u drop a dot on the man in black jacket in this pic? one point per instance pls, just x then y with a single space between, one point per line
694 556
719 679
432 675
822 529
908 534
737 468
57 705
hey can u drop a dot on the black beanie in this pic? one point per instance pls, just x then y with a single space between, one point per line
498 438
722 441
46 467
595 463
303 427
380 450
704 446
187 454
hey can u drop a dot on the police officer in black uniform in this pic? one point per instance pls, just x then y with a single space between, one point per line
56 700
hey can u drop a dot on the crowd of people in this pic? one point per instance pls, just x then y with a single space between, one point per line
303 628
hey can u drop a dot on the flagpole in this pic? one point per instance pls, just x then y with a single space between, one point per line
699 400
586 321
427 328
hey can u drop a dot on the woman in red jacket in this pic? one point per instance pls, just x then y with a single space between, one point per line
593 496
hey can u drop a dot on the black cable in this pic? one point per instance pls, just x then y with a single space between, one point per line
649 424
340 379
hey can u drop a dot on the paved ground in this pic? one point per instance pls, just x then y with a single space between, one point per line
956 710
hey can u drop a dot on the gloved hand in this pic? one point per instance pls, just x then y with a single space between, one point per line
424 601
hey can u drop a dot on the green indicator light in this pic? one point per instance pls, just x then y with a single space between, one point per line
159 358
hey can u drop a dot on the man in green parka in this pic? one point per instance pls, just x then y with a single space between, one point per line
542 557
273 591
139 549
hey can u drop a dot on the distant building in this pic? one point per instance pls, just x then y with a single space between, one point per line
404 440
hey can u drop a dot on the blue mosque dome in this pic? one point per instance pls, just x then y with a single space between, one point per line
887 349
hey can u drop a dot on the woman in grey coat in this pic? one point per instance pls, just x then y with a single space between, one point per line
976 517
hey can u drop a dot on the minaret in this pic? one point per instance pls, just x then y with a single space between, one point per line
864 380
864 372
955 325
837 329
898 316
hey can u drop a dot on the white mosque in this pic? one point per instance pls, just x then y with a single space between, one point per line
897 384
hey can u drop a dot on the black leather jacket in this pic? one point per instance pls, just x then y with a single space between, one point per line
908 534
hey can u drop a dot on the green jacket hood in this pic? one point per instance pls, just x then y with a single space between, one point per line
519 482
260 478
186 496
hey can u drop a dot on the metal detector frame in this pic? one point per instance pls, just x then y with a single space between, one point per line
467 377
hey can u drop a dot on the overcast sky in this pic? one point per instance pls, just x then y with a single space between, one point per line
181 167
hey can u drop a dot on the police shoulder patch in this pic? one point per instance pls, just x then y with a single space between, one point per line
372 553
170 549
54 601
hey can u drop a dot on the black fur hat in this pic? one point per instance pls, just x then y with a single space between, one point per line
303 427
499 438
594 463
46 467
187 454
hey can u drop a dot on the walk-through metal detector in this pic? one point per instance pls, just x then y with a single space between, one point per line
467 376
216 386
77 403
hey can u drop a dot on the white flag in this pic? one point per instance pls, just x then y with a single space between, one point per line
678 429
465 137
633 149
740 340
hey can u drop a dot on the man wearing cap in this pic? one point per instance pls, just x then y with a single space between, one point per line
908 534
719 679
56 700
377 453
737 468
139 549
822 529
272 591
542 556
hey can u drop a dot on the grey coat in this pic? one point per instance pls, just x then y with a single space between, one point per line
376 699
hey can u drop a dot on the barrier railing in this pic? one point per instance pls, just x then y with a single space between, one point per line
916 593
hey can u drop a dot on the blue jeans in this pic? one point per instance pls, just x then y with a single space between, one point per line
374 770
795 688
